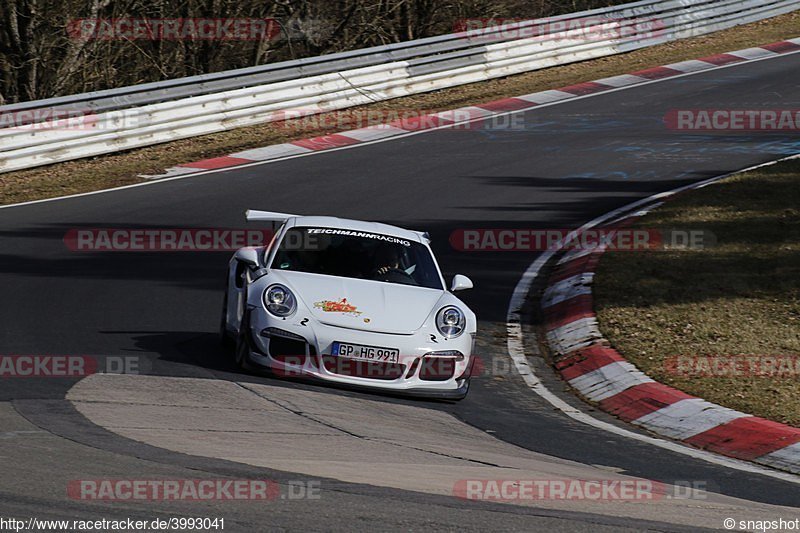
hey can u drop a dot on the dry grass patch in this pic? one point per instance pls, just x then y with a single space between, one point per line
741 297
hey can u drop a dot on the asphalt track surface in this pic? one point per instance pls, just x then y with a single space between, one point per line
570 163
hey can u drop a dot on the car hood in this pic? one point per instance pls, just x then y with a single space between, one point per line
364 305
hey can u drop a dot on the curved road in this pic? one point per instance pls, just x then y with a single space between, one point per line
570 163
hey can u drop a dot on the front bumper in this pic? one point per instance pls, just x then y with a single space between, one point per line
301 349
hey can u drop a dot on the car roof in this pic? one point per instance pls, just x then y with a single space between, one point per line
356 225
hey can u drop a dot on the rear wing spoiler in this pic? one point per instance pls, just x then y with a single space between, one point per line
267 216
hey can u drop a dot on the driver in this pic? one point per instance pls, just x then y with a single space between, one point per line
387 258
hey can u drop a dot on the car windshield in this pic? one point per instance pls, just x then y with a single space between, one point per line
357 254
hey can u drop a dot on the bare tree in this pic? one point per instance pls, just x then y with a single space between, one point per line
42 56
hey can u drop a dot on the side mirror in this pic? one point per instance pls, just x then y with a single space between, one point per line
247 256
461 283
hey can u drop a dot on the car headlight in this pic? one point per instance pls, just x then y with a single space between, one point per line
279 300
450 322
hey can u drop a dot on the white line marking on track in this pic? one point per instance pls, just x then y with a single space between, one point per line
274 150
693 65
753 53
609 380
567 289
783 457
622 80
547 97
372 133
687 418
575 335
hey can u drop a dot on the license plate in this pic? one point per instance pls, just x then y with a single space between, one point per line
366 353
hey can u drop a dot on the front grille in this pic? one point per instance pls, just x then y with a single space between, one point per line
363 369
437 368
290 351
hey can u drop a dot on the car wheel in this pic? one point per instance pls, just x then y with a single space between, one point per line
242 351
224 337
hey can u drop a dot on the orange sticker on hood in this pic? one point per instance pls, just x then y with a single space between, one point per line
342 306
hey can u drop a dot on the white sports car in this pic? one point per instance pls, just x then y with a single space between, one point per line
356 303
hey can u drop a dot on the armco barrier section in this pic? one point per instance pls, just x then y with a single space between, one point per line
143 115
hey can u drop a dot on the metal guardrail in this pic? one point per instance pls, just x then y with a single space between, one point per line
155 92
143 115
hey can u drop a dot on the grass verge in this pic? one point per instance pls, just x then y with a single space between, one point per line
123 169
735 305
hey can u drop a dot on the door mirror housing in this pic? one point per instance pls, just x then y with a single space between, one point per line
461 283
247 256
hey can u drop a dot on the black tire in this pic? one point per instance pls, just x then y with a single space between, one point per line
241 354
224 337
